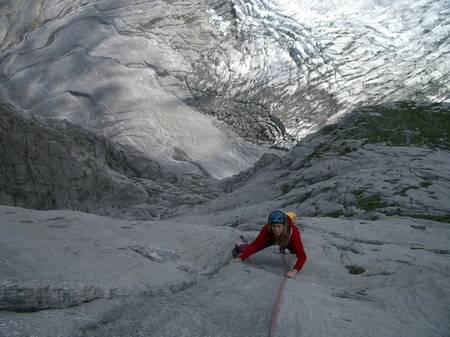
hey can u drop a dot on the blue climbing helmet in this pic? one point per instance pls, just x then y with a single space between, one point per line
276 217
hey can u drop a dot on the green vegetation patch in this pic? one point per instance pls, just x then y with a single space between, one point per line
328 129
35 22
345 150
335 214
426 184
285 188
400 123
355 269
434 217
368 202
405 189
445 218
317 152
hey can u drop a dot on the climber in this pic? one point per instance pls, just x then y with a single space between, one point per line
280 230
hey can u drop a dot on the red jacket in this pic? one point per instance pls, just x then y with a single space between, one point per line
265 239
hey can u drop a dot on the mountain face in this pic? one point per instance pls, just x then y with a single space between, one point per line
148 74
386 160
95 64
307 62
133 111
52 164
371 193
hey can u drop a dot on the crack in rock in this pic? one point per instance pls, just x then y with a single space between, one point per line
155 254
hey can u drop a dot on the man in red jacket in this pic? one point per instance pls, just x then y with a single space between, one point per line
280 230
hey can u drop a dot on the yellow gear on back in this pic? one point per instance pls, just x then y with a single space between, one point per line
292 215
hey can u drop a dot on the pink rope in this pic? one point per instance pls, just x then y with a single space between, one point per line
276 308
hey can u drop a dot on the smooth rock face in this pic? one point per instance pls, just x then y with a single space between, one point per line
75 258
202 293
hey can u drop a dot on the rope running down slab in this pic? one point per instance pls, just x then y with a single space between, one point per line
277 306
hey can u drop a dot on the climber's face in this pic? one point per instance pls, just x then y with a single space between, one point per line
277 229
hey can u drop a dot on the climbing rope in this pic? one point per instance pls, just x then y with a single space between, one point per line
277 306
